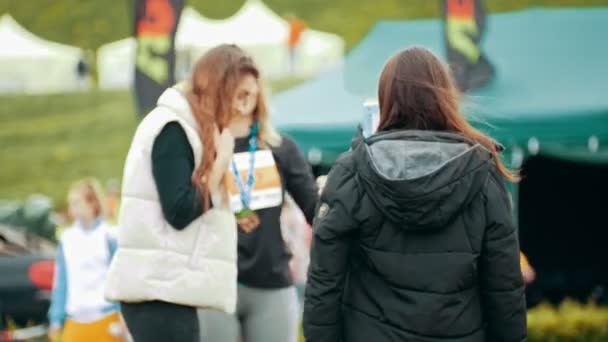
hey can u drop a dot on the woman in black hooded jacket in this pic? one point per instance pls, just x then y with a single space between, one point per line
414 238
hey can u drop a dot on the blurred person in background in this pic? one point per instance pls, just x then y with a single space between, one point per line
177 237
414 237
78 309
297 234
296 29
83 71
272 165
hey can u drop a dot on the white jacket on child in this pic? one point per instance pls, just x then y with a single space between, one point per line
83 258
196 266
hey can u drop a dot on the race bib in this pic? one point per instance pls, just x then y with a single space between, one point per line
267 189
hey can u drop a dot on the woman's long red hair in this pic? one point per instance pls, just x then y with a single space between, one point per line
417 92
212 88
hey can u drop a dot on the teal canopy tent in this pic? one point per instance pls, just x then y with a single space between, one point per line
550 93
549 98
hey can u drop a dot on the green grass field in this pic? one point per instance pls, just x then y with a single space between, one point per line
46 142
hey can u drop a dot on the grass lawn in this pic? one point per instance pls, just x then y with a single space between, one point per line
47 142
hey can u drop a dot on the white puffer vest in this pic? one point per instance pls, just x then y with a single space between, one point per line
196 266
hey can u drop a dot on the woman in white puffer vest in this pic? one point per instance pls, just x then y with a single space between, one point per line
177 240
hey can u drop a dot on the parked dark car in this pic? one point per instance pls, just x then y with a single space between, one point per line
25 289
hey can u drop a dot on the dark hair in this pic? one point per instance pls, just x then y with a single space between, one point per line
417 92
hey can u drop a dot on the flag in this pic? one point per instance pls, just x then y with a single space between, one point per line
154 30
464 24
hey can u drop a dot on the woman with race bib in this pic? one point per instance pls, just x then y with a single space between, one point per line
177 237
265 166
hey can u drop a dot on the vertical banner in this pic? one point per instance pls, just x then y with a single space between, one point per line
464 26
155 26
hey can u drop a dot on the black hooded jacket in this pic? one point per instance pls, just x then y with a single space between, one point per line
414 241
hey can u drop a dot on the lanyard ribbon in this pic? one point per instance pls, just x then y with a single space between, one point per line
245 191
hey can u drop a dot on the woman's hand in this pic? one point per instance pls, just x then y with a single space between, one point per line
224 145
249 223
529 275
120 330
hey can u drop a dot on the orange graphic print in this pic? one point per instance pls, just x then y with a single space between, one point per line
461 9
265 178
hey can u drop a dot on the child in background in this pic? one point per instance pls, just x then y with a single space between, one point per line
296 29
78 309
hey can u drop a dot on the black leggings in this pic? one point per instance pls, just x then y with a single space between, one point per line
157 321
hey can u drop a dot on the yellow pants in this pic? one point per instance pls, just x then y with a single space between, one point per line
98 331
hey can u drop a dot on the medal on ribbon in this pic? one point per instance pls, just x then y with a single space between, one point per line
246 217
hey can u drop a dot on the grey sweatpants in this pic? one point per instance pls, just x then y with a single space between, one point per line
262 315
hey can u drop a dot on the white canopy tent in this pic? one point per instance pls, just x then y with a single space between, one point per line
264 34
255 27
116 60
318 51
30 64
115 63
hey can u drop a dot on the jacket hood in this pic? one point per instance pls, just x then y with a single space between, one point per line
421 179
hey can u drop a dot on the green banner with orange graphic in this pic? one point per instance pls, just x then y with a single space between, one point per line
464 27
155 27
